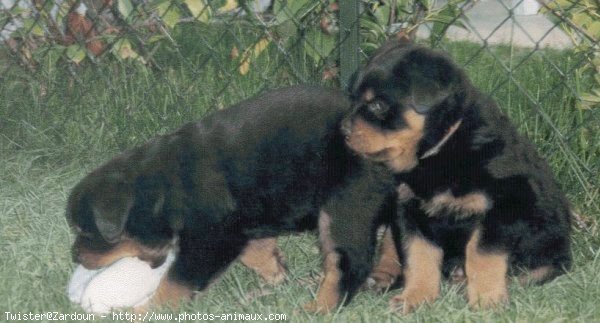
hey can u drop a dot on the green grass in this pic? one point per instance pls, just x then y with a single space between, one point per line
55 128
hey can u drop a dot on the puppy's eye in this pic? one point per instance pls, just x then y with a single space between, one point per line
378 108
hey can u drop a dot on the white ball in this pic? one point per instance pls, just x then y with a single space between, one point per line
128 282
79 280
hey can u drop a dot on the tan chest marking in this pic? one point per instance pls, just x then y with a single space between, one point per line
461 206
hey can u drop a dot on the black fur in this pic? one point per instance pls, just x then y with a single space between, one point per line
261 168
529 217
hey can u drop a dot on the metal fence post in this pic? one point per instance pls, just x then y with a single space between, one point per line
349 40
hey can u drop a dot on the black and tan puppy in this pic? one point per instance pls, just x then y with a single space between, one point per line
473 191
273 164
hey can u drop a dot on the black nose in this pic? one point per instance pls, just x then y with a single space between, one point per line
346 127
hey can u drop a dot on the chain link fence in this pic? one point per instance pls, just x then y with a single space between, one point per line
537 58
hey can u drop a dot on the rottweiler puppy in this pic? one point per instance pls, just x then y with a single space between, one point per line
472 190
228 184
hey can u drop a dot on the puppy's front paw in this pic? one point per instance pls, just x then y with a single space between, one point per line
410 299
490 299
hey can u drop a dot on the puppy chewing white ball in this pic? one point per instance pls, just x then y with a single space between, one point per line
129 282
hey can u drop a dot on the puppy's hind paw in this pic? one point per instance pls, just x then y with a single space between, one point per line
276 273
319 307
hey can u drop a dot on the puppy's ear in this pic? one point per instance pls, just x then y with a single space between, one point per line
110 205
150 194
425 95
430 77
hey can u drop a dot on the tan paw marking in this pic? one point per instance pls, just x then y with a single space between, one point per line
535 276
486 276
263 256
422 274
409 300
388 269
328 295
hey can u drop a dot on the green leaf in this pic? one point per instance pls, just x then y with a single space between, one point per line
17 10
286 29
250 54
581 19
228 5
292 9
199 9
371 26
75 53
382 14
125 8
155 38
124 50
49 54
169 13
32 27
594 28
318 44
62 12
557 5
428 5
48 6
589 97
4 19
441 20
369 47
